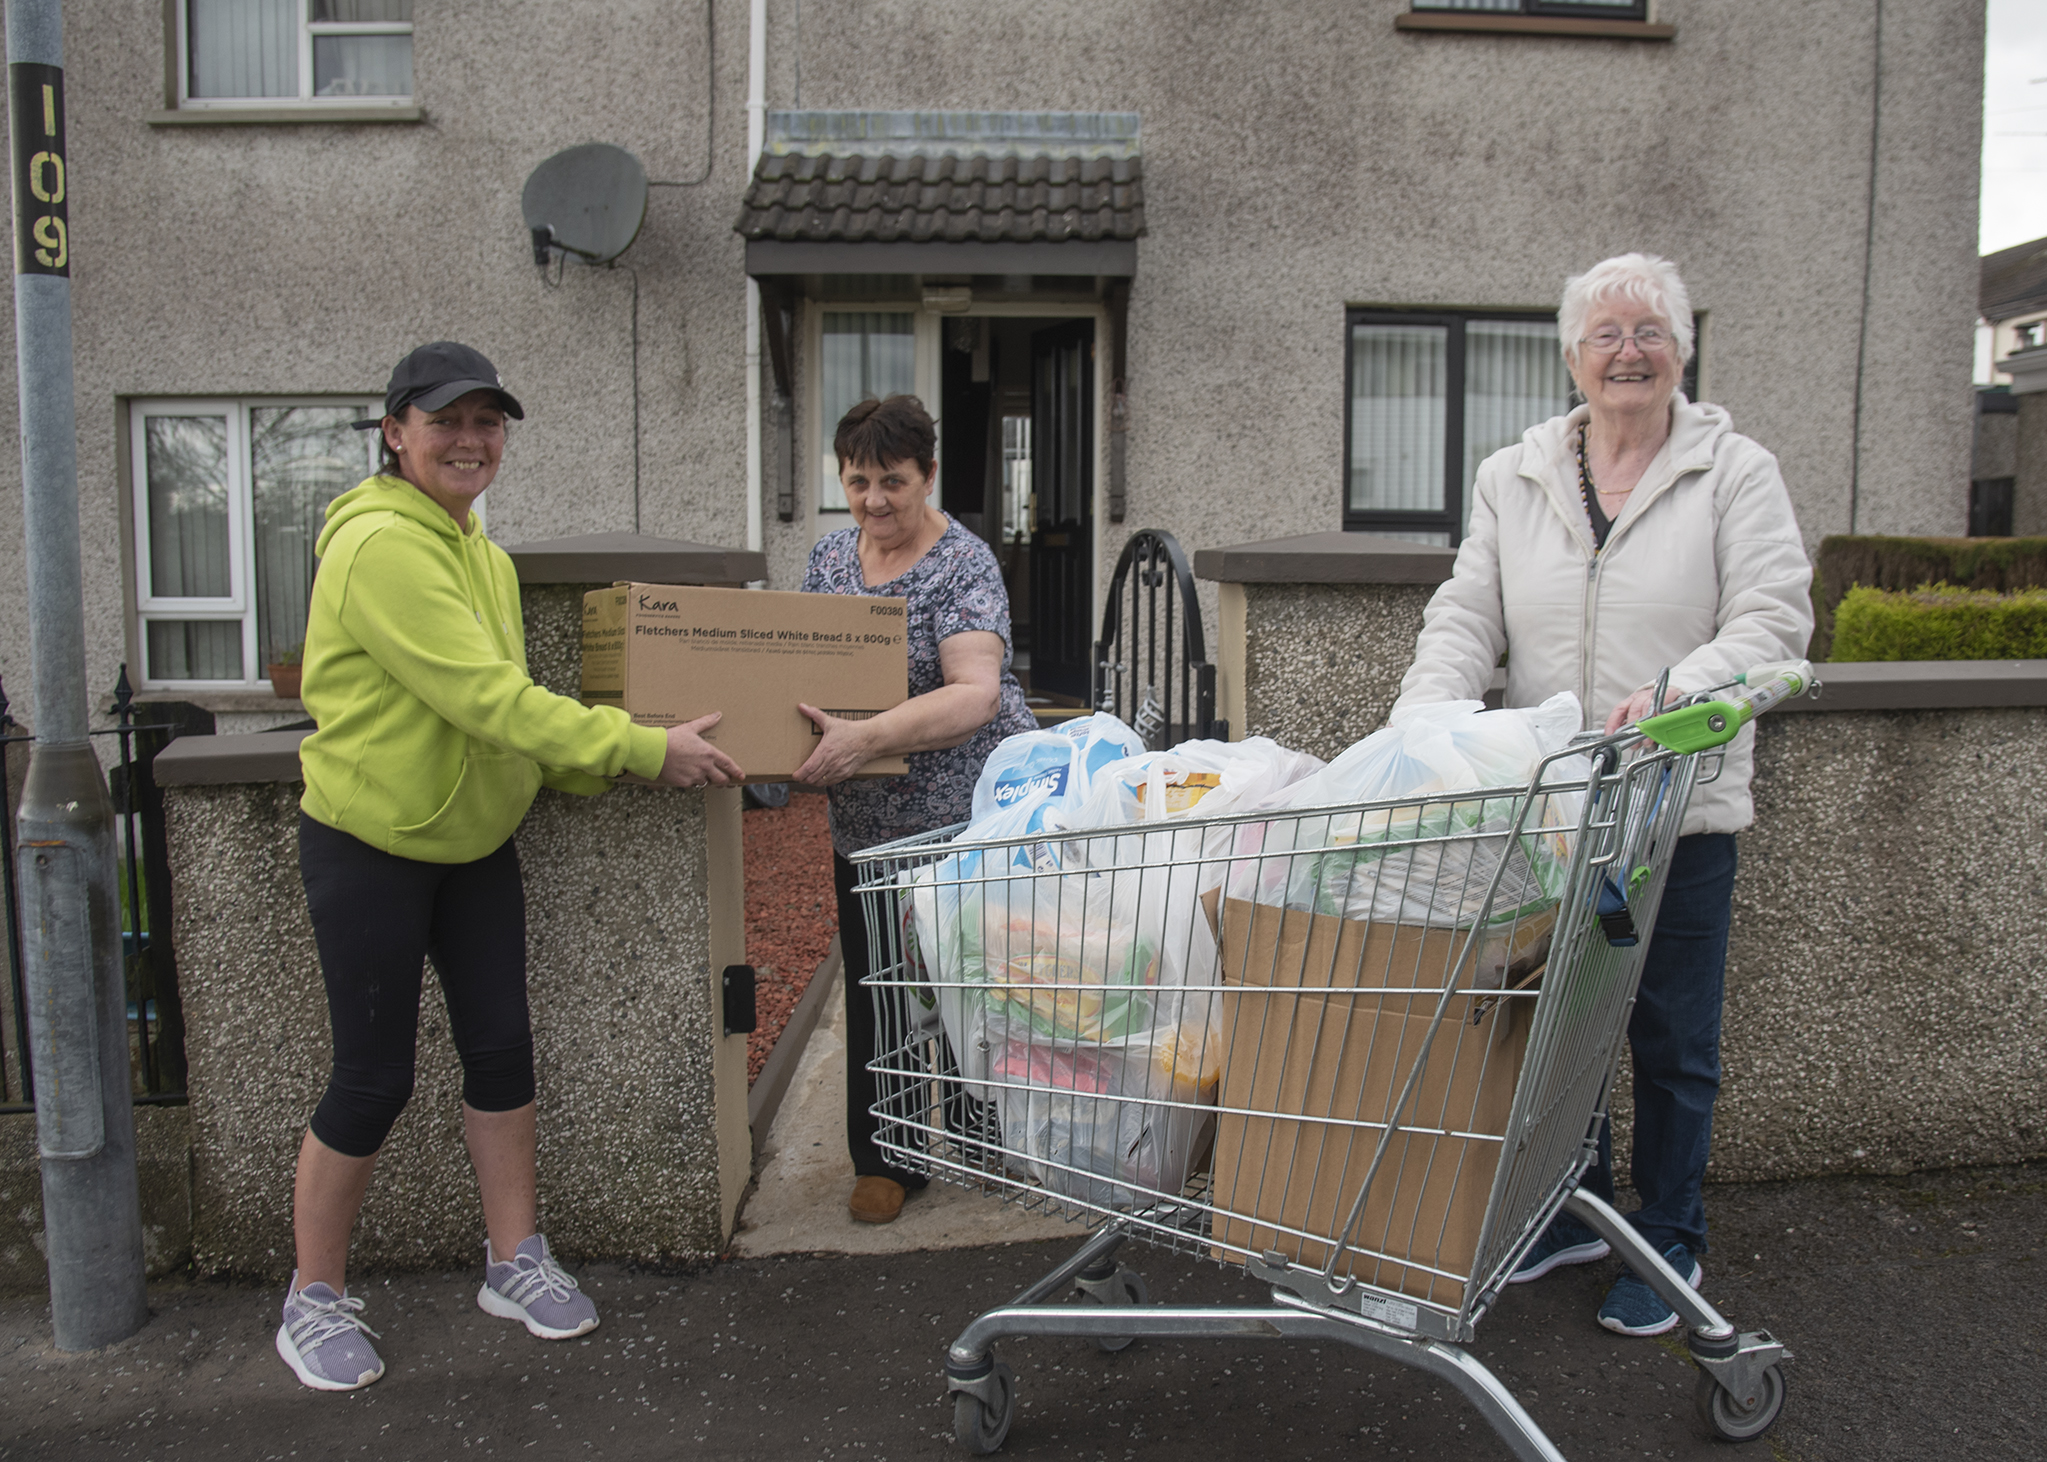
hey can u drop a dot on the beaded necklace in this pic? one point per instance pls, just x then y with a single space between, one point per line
1601 524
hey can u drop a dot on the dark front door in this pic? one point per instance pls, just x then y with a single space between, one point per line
1063 528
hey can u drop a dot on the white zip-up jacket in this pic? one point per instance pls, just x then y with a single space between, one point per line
1704 571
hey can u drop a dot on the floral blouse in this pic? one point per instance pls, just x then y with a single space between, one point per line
954 588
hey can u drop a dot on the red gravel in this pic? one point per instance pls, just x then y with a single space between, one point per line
791 911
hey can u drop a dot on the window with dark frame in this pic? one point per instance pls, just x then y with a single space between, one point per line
1430 394
1568 9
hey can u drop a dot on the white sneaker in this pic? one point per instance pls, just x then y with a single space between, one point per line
322 1339
537 1292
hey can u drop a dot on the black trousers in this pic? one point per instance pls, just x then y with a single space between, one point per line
861 1124
377 919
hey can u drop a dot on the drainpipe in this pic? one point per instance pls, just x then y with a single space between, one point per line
1876 124
71 930
756 135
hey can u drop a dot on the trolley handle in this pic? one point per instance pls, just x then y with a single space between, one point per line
1716 719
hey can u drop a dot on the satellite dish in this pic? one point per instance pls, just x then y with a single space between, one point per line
587 201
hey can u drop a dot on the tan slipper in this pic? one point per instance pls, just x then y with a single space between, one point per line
876 1200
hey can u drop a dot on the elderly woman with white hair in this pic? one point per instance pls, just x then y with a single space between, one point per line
1636 532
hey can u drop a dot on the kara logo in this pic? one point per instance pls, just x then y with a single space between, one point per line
657 606
1009 793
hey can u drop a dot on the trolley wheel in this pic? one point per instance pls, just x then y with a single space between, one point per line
1131 1290
1728 1419
979 1429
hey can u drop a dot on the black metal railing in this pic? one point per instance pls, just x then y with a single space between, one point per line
1151 663
156 1022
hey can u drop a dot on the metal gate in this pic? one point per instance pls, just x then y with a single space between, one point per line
1151 664
156 1019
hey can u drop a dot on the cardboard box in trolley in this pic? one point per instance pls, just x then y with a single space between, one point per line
1327 1061
667 653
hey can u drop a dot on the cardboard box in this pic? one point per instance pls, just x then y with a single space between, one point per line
1300 1045
667 653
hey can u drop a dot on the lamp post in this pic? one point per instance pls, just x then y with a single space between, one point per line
71 930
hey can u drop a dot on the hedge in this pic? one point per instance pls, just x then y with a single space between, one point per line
2002 564
1940 622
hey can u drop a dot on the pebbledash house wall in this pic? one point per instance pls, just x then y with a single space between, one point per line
1300 158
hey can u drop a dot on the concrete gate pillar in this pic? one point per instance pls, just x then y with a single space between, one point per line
2028 370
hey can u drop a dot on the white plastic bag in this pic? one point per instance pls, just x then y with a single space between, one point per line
1194 779
948 909
1110 1126
1017 945
1099 739
1103 1088
1433 862
1075 973
1172 854
1041 963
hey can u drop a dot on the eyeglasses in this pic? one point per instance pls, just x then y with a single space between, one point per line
1608 341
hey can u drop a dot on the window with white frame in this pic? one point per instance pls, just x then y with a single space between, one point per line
1582 9
229 499
861 353
272 52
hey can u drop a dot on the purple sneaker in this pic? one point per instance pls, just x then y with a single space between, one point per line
537 1292
322 1339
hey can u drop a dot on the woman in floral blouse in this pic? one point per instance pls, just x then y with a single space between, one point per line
963 702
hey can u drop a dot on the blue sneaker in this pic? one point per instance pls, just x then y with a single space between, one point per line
1565 1241
322 1339
1633 1308
537 1292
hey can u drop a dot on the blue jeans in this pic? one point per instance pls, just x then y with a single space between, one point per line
1675 1036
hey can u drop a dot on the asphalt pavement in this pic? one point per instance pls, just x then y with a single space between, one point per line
1912 1305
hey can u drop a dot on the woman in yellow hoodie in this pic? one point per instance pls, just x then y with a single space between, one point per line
432 742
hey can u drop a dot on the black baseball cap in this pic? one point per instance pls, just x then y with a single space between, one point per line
436 374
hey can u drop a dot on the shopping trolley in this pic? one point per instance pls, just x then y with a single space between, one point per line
1363 1051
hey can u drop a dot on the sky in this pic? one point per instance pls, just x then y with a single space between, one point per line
2014 125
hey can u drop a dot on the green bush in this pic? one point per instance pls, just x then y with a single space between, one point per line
1940 622
1844 561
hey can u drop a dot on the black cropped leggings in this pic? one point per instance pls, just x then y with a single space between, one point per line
377 918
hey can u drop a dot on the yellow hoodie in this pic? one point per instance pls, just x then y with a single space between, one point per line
433 739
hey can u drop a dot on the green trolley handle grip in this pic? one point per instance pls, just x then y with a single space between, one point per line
1716 722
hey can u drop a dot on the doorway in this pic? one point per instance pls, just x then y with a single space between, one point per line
1017 418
